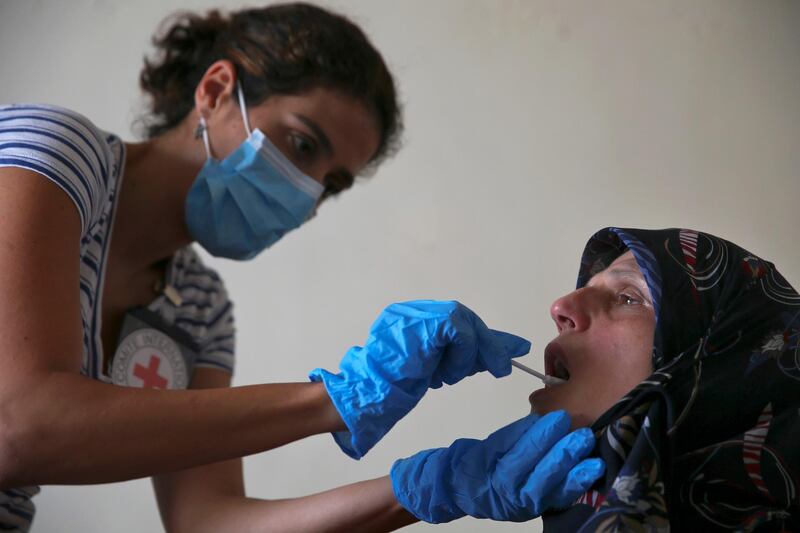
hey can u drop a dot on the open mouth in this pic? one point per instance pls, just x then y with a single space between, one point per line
554 364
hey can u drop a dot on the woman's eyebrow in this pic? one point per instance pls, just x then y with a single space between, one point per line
318 132
629 274
620 272
625 273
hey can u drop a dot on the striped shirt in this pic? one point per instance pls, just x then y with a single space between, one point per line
87 164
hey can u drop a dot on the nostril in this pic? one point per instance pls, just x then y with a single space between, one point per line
566 312
565 322
562 317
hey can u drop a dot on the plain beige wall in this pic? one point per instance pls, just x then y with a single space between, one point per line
530 124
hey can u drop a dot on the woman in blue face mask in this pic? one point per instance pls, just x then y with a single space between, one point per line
117 365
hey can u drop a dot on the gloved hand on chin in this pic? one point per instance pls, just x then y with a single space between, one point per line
515 474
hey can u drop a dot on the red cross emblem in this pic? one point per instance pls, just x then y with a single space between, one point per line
148 359
149 374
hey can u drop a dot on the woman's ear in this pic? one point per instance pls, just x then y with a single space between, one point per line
215 87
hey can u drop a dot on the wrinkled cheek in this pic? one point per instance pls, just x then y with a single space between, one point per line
589 395
636 364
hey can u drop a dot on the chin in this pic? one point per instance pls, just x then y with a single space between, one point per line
542 402
550 399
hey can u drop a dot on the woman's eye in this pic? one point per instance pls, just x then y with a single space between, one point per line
628 299
302 146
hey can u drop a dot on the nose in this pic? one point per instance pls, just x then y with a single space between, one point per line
570 312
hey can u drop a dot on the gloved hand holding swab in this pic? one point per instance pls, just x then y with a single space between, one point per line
548 380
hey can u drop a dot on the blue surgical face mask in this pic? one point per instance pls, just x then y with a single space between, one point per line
245 203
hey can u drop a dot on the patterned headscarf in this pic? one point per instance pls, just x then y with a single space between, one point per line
711 440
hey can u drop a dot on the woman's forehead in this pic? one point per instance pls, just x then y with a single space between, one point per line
624 266
625 261
625 258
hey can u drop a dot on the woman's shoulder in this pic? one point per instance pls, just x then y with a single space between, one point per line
68 123
67 148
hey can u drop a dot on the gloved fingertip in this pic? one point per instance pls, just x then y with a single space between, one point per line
577 481
530 419
589 471
585 435
499 348
512 345
559 419
577 444
597 465
500 369
517 428
521 347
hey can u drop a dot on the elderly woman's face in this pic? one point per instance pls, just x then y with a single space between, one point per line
604 343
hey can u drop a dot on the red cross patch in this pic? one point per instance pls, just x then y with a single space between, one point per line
147 358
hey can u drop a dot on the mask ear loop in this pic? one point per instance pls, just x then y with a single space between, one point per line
202 128
243 107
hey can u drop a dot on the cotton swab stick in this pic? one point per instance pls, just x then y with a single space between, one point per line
548 380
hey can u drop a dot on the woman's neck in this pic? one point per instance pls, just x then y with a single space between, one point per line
149 225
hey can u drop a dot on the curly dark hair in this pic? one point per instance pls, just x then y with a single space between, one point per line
279 49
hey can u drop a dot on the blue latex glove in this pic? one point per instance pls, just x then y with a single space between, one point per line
514 475
412 346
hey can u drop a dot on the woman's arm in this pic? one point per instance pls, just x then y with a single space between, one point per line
57 426
367 506
211 498
190 502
